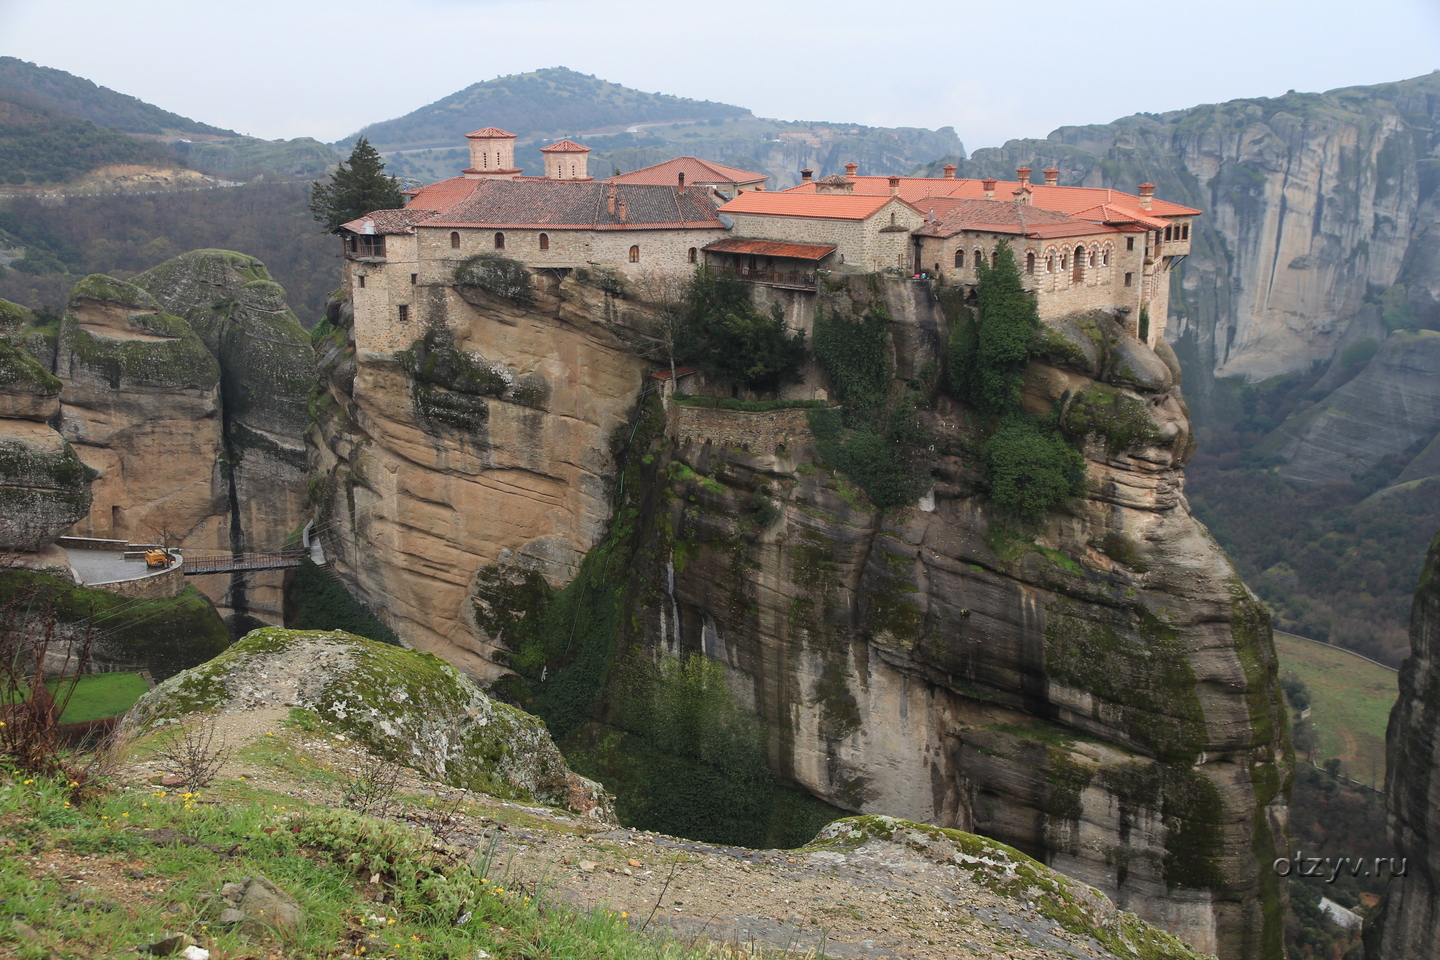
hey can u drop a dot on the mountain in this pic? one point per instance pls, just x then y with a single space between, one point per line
552 101
40 144
102 106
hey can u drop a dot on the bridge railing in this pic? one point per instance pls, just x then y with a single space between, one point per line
230 563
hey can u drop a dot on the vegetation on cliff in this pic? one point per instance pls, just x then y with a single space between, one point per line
315 600
725 335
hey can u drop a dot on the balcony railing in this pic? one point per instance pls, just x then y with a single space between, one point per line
778 278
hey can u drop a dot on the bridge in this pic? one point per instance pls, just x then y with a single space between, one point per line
232 563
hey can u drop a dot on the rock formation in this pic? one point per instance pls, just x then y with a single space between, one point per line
266 372
44 488
1407 924
400 704
1099 690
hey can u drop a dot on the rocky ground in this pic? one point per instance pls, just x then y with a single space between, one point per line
868 887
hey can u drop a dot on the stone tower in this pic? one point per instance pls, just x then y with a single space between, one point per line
566 160
492 155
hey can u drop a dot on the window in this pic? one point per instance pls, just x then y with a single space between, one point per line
694 255
634 254
1129 243
454 239
544 241
499 241
414 279
1167 233
1050 263
959 259
1185 232
978 261
1128 278
354 245
404 313
1105 258
1078 274
362 281
1030 262
1064 262
994 259
371 246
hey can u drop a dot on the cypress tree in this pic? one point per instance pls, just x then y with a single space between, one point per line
358 186
987 360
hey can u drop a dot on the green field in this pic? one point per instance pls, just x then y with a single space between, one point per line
102 695
1350 702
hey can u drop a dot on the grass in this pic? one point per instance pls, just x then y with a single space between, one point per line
102 695
1350 701
90 883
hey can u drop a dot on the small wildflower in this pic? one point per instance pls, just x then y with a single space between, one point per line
28 782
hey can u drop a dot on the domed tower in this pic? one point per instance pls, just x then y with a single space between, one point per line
492 155
566 160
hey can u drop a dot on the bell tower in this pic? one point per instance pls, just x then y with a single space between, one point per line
566 160
492 155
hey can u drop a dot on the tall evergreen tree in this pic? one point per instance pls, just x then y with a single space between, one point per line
987 359
358 186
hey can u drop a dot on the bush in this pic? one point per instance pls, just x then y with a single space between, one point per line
856 357
726 336
1031 469
496 274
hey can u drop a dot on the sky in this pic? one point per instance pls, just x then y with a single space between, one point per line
993 71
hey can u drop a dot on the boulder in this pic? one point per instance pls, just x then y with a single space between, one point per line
44 488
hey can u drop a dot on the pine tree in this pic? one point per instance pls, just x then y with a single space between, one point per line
358 186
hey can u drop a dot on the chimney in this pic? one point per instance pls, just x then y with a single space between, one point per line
610 199
851 169
989 184
1023 175
806 175
681 175
949 171
1052 177
1147 193
622 210
894 186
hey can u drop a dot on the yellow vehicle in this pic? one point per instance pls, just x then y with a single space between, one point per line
158 558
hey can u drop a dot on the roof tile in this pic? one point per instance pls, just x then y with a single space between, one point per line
695 170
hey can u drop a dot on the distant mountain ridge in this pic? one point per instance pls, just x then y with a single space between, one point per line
555 100
102 106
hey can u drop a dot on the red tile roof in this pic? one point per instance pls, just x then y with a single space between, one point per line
445 194
696 171
388 221
490 133
953 215
1069 200
579 205
565 146
771 248
827 206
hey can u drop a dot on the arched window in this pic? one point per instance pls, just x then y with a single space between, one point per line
1167 233
1094 254
1105 256
1030 262
1064 262
978 261
634 254
499 241
1079 272
694 255
1185 232
959 259
544 241
1050 263
454 239
994 259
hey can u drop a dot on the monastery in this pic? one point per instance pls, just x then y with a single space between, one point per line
1078 248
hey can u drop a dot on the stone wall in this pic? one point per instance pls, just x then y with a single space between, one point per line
759 432
156 586
865 244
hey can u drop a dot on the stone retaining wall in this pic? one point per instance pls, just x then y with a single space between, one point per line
168 583
762 432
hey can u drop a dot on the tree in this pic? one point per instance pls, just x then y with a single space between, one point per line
728 337
358 186
988 360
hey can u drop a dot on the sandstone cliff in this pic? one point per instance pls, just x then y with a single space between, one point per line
44 488
1408 920
266 372
1098 690
187 390
1314 204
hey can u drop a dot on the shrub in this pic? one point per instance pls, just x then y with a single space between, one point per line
726 336
1031 469
317 601
496 274
856 357
987 358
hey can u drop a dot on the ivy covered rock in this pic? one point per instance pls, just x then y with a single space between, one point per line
409 706
27 390
44 488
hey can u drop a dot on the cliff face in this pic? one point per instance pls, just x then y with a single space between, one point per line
1314 204
266 372
1409 919
187 391
1098 691
485 443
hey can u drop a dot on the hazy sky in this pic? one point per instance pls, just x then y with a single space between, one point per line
992 70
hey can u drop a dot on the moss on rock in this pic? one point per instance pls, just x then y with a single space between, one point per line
103 289
402 704
1116 417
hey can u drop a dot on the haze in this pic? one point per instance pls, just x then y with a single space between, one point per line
278 68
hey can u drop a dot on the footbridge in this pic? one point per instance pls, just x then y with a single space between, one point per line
239 562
